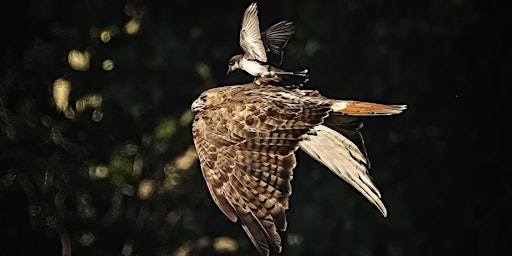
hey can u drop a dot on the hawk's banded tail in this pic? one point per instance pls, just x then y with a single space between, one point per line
361 108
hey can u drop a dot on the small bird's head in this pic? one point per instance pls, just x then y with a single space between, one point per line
234 63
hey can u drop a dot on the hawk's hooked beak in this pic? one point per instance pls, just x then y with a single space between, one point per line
196 106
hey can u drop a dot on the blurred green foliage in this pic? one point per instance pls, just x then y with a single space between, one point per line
111 170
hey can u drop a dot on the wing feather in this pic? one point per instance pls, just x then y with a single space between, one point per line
250 37
276 37
344 159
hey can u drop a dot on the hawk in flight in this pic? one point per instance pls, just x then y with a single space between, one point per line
256 45
246 137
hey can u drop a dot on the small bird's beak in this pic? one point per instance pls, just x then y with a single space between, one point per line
229 70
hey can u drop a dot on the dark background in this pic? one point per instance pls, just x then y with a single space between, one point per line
74 182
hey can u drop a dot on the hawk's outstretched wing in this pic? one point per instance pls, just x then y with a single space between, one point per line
246 137
246 146
250 37
344 159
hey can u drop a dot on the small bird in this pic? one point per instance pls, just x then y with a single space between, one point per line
256 45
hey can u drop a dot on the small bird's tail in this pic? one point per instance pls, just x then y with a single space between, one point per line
360 108
292 78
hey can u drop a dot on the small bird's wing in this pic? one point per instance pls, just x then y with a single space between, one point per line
250 37
276 37
246 150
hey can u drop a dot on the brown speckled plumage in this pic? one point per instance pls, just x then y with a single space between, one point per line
246 137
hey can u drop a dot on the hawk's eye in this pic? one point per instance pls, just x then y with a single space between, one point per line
202 97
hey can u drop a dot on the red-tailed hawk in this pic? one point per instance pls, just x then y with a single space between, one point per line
246 137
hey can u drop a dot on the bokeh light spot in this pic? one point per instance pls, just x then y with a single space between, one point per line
79 60
107 65
132 27
225 244
60 91
105 36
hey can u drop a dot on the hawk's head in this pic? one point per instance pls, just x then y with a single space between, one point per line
208 99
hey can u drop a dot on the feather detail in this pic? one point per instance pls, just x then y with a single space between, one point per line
345 160
360 108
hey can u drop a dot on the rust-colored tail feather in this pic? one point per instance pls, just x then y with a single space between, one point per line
361 108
